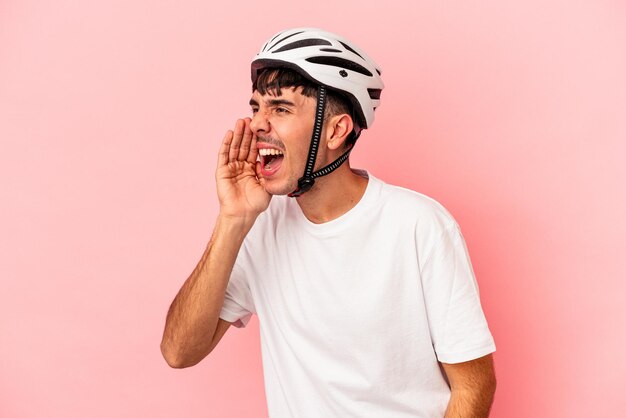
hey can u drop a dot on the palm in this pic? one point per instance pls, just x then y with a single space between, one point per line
240 191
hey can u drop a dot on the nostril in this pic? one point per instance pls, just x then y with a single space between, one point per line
259 123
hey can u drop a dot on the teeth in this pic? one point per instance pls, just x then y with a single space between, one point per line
269 151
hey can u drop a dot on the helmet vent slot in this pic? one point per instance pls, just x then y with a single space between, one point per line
350 49
341 63
330 50
301 44
374 93
281 39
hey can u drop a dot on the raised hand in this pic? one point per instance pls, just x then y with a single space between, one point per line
239 187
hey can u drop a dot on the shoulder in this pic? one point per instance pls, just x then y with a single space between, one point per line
415 208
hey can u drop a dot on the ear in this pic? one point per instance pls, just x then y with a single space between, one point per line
337 130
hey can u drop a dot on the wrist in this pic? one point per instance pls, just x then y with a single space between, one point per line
235 223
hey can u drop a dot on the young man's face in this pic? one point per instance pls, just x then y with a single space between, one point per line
283 126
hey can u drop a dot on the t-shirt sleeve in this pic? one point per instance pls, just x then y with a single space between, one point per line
238 303
458 326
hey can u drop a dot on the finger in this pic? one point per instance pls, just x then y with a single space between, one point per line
254 151
222 156
233 154
257 168
244 149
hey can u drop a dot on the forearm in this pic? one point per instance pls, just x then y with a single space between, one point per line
193 315
470 403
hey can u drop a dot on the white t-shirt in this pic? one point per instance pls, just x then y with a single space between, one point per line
355 313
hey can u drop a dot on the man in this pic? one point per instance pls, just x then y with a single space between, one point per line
367 302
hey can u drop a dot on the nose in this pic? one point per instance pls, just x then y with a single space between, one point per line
259 122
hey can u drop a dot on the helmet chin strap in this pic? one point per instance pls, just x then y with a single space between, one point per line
308 178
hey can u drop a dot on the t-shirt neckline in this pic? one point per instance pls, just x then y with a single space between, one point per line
347 219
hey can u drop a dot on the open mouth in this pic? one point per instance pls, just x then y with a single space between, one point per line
271 160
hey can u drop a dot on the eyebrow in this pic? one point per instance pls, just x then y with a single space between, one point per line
274 102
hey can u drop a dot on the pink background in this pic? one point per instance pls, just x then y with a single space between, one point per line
512 114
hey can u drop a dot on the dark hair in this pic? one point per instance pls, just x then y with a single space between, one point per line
272 80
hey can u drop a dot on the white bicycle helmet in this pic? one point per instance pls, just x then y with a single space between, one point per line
329 60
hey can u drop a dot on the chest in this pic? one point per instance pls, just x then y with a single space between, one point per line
344 289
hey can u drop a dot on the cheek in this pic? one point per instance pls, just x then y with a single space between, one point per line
295 141
295 134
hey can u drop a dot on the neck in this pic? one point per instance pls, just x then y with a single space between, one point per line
332 195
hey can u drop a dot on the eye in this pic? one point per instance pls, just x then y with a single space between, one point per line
281 110
254 110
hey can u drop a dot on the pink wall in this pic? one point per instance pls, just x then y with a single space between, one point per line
512 114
